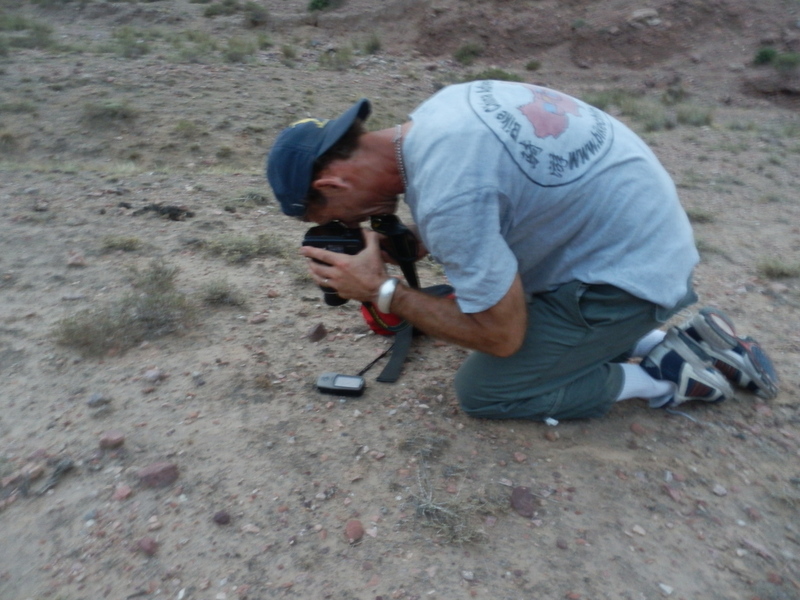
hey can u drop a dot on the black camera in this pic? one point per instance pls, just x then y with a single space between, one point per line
401 245
336 237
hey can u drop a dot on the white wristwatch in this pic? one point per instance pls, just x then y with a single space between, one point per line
386 293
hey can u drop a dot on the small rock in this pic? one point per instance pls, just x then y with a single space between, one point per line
160 474
76 259
638 429
551 436
154 375
353 531
222 517
719 490
256 319
96 400
250 528
147 545
123 492
665 589
520 457
562 544
317 332
522 501
753 514
468 575
639 530
112 439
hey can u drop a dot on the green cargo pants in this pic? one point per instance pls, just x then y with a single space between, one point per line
566 368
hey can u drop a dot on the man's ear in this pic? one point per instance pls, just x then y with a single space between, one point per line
329 181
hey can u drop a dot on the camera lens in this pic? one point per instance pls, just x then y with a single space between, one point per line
331 297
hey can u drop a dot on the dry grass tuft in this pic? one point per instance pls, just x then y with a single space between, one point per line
221 293
155 309
454 520
240 249
425 446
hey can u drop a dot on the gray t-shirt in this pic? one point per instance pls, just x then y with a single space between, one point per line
508 178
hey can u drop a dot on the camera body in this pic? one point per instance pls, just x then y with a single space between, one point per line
400 244
336 237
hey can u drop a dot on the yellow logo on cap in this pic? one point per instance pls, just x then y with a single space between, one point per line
318 122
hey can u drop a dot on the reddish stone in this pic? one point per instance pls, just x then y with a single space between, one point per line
123 492
522 501
160 474
317 332
222 517
353 531
638 429
112 439
147 545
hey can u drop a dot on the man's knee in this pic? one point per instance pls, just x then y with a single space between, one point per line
467 389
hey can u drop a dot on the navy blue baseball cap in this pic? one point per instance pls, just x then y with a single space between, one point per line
291 160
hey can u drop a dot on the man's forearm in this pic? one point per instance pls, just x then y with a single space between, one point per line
498 331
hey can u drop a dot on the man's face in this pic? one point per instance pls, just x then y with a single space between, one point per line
350 209
351 196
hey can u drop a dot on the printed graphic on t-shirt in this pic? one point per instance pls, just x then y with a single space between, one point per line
554 138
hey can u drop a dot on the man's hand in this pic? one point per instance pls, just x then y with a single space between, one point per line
354 277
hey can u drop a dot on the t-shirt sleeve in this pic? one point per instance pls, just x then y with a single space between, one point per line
464 234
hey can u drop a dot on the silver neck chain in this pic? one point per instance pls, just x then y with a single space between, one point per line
398 151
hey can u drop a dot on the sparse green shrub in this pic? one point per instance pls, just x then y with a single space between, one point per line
8 143
533 65
194 46
14 22
765 55
240 249
152 310
317 5
777 268
673 95
37 35
255 15
130 43
493 73
263 41
107 113
186 129
17 107
698 215
788 61
467 53
238 49
221 293
224 153
338 59
289 55
125 243
372 45
696 116
249 199
221 9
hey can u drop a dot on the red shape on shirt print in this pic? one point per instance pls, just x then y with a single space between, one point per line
548 112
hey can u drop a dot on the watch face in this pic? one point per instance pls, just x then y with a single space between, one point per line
347 381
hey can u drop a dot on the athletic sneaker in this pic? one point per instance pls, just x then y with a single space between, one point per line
680 360
742 360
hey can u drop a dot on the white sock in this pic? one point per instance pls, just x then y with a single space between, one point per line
648 342
638 384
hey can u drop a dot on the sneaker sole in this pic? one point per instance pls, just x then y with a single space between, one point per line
720 341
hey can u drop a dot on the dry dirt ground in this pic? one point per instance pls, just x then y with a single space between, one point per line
126 106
